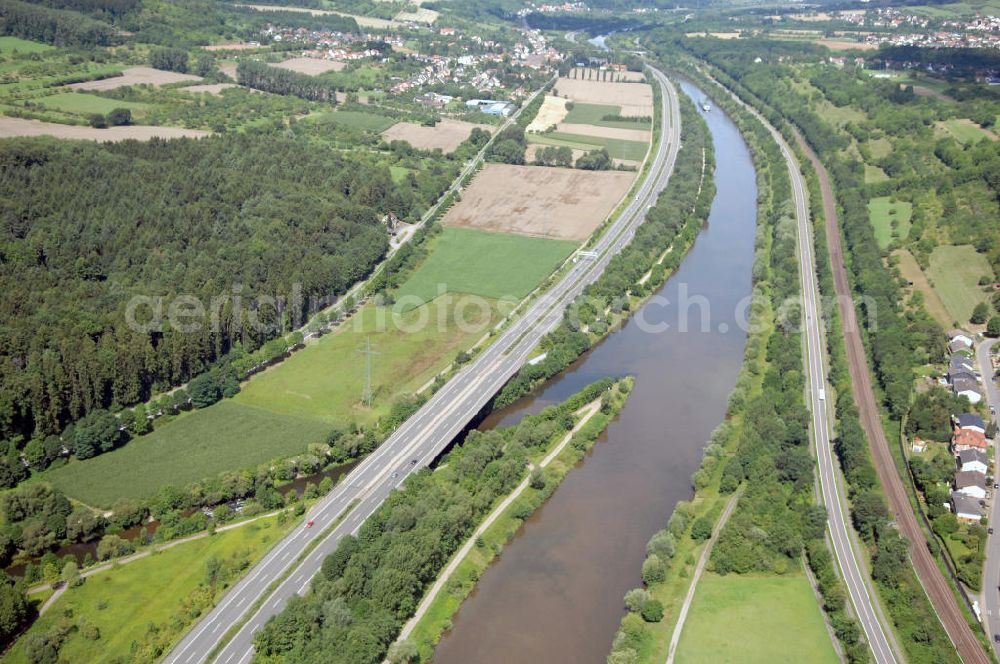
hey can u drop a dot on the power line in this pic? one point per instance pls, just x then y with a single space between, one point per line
367 395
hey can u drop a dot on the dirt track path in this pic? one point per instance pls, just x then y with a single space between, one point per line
675 638
937 588
587 412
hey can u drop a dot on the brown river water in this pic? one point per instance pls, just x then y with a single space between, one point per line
554 595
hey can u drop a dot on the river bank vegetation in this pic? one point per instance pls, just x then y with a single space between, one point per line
543 483
763 445
905 338
97 618
373 582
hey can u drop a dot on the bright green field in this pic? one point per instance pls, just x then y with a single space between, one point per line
325 380
196 445
358 120
882 213
398 173
618 149
492 265
874 174
284 409
954 273
158 585
78 102
8 44
592 114
963 130
754 619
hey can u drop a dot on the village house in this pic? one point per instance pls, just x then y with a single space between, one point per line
965 385
974 461
971 484
970 421
959 340
967 439
959 364
966 509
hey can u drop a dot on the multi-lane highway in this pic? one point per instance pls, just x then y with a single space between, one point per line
280 575
855 578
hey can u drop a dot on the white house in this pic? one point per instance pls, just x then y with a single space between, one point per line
974 461
971 421
966 509
971 484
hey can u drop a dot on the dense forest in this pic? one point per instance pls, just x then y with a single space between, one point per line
52 26
238 217
260 76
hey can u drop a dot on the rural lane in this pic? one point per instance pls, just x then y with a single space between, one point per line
991 568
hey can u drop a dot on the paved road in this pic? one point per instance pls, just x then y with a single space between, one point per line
937 588
991 571
855 578
421 438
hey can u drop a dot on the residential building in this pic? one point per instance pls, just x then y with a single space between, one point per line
970 421
966 509
966 385
960 363
971 484
974 461
967 439
960 337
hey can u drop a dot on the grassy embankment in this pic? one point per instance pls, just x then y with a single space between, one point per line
172 589
791 622
890 218
10 44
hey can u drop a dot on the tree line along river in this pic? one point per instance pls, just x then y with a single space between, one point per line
554 594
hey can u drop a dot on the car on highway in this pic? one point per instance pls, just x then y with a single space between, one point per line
989 531
996 637
395 475
309 523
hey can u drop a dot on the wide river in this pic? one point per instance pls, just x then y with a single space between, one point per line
554 595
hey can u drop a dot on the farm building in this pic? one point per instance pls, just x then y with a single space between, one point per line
491 106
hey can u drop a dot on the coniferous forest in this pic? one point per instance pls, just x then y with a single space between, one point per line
87 227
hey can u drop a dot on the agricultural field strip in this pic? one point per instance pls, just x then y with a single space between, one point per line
855 579
424 434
